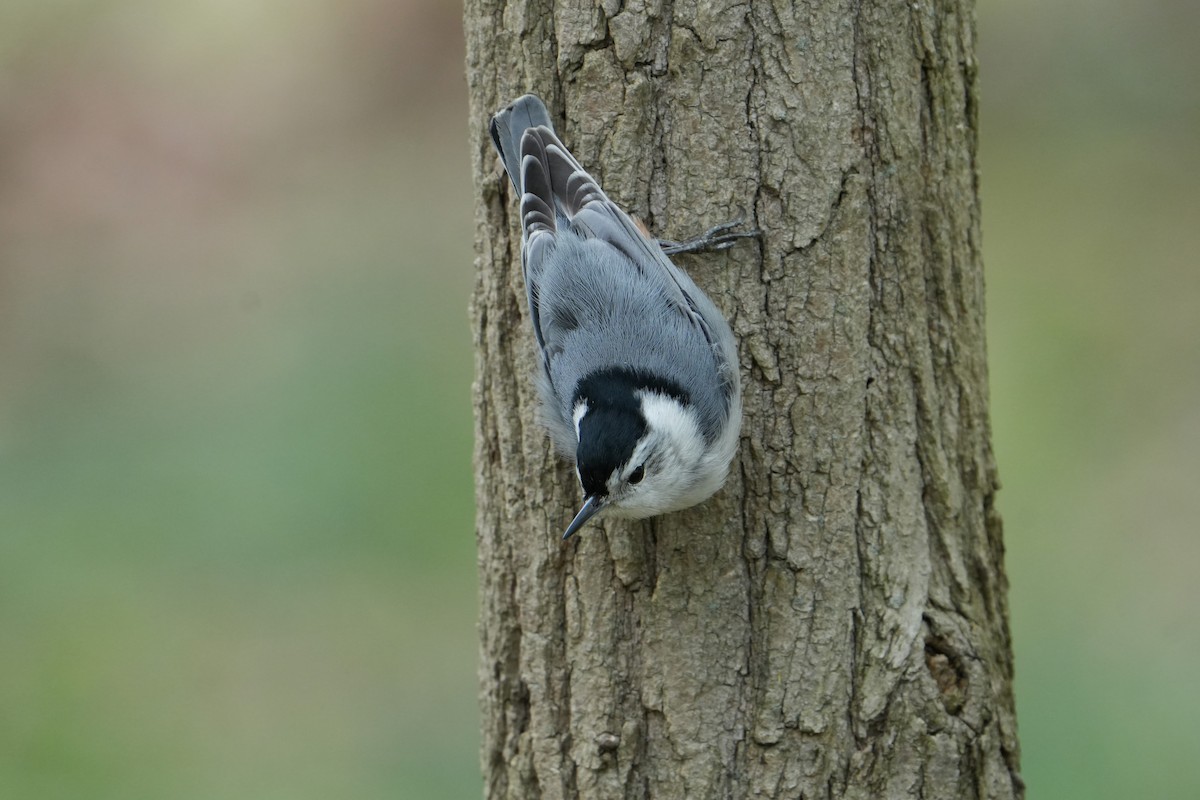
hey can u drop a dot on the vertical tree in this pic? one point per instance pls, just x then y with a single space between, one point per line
833 623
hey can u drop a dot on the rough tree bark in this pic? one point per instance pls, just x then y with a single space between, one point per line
833 623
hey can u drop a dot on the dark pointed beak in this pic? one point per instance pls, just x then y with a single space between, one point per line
591 507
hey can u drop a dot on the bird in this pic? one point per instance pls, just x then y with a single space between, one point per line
638 371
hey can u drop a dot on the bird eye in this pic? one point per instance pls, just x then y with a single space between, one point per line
637 475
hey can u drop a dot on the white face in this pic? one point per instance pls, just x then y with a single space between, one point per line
661 475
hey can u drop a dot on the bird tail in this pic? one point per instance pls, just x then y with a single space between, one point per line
552 188
509 126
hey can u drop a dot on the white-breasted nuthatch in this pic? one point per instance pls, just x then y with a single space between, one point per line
639 374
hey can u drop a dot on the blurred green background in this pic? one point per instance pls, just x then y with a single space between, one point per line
236 547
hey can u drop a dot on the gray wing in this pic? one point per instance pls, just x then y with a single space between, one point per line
557 190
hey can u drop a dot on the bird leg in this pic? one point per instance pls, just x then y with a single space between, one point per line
718 237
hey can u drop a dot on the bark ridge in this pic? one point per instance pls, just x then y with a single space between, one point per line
833 623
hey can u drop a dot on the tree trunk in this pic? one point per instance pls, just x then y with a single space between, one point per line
833 623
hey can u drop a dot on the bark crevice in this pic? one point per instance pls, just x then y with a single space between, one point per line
833 623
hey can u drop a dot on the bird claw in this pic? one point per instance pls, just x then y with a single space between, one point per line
718 237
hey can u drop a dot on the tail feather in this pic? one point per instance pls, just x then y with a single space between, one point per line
510 124
573 186
539 164
537 209
554 190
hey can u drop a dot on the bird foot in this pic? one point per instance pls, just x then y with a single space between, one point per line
718 237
